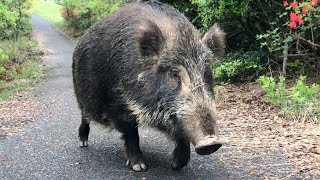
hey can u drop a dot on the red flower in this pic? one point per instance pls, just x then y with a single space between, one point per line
293 25
315 2
294 19
300 21
304 10
285 3
293 16
299 17
294 5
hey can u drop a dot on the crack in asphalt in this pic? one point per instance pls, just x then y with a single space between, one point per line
48 147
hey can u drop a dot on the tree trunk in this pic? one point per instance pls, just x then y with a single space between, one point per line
285 59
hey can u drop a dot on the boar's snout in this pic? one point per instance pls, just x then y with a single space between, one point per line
204 134
207 145
200 127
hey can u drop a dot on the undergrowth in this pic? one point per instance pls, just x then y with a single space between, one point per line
20 66
300 101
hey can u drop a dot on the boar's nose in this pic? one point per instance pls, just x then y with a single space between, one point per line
207 145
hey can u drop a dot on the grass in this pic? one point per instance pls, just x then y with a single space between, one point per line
31 70
22 69
300 102
51 12
30 74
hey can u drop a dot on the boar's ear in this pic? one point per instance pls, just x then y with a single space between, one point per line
149 38
215 40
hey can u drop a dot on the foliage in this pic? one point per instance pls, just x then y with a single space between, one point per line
248 25
14 18
7 22
276 91
4 58
242 20
14 56
239 66
81 14
19 65
294 31
301 101
210 11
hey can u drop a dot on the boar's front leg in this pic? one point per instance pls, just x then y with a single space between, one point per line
131 144
181 154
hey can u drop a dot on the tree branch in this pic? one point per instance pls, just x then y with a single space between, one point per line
308 41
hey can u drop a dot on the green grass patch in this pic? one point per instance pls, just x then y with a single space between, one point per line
31 70
51 12
300 102
30 73
20 66
5 95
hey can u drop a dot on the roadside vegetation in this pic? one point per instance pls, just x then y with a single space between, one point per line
300 101
20 64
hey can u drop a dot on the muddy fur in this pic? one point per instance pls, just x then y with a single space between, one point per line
147 65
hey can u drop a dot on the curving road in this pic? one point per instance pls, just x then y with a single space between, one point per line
48 147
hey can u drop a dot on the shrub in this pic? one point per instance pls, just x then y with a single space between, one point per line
276 91
301 101
14 18
7 22
241 66
14 57
294 33
80 15
4 58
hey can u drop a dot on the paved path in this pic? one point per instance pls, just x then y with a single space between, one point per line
48 147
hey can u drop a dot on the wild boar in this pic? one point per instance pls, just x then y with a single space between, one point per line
147 65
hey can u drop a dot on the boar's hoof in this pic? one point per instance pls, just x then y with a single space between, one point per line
207 146
83 144
176 165
138 167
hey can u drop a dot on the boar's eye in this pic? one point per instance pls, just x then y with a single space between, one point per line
175 73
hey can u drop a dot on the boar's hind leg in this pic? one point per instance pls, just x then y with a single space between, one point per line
131 143
181 154
84 130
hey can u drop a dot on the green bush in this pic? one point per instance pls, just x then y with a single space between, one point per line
14 18
13 57
19 66
294 33
276 91
239 66
4 58
7 22
301 94
301 101
80 15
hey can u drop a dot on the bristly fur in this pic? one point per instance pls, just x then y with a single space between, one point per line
123 73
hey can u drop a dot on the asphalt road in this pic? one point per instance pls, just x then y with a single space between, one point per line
48 147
